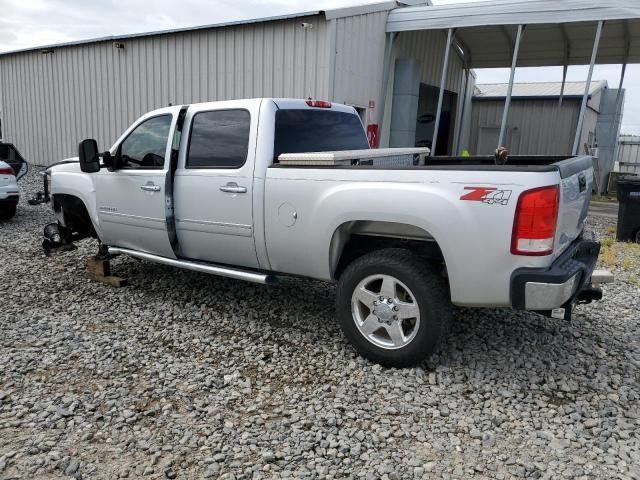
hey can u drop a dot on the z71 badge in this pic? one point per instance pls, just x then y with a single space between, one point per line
490 196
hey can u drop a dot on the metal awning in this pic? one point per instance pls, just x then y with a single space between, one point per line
559 32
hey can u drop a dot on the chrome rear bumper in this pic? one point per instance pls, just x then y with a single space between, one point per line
547 296
560 285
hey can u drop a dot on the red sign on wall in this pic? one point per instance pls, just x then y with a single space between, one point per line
372 135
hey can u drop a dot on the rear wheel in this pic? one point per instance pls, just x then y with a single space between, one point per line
7 212
637 236
393 307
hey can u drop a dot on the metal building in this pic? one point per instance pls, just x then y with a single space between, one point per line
629 154
539 123
531 33
51 97
406 65
543 120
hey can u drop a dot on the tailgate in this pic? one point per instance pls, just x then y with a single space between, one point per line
575 193
9 154
5 180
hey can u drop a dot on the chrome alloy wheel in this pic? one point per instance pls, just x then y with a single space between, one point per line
385 311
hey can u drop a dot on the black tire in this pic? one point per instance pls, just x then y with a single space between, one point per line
431 293
8 212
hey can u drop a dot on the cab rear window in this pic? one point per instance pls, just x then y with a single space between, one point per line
299 131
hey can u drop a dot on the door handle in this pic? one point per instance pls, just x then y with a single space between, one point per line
150 188
233 187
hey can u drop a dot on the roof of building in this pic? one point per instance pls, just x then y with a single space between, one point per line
538 89
329 15
558 32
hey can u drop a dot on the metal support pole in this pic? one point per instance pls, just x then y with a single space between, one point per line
507 101
386 74
565 62
460 122
627 42
585 97
624 71
443 81
557 134
565 68
614 132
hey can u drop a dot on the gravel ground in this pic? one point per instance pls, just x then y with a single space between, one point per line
183 375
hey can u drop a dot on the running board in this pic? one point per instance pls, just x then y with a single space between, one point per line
249 276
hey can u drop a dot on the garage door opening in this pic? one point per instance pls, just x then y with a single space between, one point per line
425 123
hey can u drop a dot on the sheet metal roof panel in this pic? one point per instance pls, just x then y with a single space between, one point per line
510 12
558 31
359 10
328 14
544 45
165 32
541 89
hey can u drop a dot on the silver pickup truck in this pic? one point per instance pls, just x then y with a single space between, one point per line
230 188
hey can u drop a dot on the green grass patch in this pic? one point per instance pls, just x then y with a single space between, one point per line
624 255
605 197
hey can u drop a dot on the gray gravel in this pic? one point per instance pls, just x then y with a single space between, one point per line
183 375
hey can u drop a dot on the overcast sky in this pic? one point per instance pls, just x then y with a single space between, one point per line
29 23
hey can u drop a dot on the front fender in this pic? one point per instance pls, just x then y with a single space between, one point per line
68 179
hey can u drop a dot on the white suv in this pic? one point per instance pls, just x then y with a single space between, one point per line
12 168
9 195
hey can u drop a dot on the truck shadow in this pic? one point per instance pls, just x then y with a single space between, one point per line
502 344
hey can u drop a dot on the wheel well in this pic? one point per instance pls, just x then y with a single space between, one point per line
76 215
355 239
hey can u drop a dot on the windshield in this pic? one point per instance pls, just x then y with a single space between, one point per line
299 131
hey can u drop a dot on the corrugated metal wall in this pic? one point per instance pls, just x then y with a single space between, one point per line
428 47
629 154
51 101
359 46
536 127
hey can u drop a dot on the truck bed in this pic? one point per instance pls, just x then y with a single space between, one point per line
566 164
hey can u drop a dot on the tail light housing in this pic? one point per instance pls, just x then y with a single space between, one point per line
535 222
7 171
318 103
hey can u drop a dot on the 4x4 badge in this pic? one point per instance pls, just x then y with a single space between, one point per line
488 195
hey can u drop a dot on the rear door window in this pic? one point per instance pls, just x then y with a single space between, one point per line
299 131
219 139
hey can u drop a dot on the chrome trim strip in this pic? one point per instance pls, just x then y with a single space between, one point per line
215 224
126 215
265 279
214 228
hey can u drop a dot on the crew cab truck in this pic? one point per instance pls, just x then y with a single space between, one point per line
206 187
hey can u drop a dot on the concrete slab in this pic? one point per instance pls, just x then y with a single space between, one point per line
604 209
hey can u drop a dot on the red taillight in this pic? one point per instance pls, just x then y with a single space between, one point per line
534 226
7 171
318 103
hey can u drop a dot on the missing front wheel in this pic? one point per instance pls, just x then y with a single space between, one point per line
57 238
